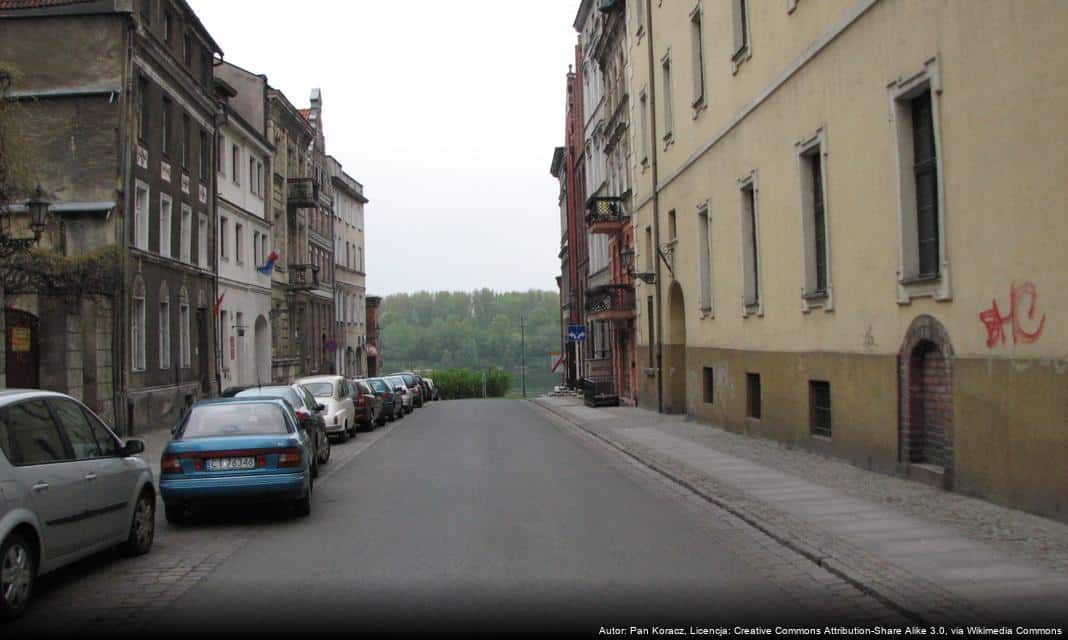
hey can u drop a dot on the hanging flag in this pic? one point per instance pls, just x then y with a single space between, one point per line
218 303
268 268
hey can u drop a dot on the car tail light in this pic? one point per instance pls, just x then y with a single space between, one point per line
289 457
302 414
360 401
170 464
387 395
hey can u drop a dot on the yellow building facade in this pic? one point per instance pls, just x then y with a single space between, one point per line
859 211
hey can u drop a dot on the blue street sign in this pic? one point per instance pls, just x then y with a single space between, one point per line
576 333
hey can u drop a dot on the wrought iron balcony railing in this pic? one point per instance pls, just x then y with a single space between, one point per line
611 302
605 214
303 277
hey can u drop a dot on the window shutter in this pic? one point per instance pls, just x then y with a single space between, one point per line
738 20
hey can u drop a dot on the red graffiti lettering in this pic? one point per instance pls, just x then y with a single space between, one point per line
995 322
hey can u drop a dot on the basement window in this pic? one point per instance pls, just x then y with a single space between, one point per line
819 402
752 392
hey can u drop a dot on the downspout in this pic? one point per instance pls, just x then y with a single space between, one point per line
120 309
658 330
220 348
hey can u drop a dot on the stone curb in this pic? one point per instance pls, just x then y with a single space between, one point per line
917 599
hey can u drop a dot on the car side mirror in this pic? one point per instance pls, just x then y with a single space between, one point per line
133 447
398 390
320 407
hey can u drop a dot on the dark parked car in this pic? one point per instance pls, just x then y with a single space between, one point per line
369 412
392 405
307 411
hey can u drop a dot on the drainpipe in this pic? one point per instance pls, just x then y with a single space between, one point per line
120 305
658 330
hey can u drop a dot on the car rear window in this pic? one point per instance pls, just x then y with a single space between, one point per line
320 389
286 393
237 419
378 385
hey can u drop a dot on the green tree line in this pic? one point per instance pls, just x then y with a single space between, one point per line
472 330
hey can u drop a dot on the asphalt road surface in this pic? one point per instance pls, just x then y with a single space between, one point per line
488 515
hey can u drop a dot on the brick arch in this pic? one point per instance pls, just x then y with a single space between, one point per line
925 416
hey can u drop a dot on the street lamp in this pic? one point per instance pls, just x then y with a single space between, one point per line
37 206
626 257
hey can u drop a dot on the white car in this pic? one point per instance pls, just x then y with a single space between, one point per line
407 397
69 487
335 393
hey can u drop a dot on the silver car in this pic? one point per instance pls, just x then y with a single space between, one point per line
69 487
401 388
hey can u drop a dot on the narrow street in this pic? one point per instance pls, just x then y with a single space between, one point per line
466 514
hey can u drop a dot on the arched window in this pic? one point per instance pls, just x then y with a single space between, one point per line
164 327
137 326
184 323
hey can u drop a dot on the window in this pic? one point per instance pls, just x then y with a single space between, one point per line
360 268
164 334
816 289
32 434
923 267
183 335
263 248
235 164
740 22
752 395
239 253
140 230
187 49
185 141
186 238
669 121
673 229
202 241
697 47
220 154
259 179
256 248
819 403
750 248
146 11
137 331
165 127
643 103
709 385
705 255
166 232
205 156
224 333
77 428
252 175
168 21
649 255
224 235
142 116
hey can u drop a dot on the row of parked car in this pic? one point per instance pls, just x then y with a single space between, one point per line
70 487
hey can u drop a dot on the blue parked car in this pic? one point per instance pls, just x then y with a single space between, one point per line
236 450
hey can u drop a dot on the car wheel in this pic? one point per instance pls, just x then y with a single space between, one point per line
18 570
344 435
302 507
175 513
142 527
324 451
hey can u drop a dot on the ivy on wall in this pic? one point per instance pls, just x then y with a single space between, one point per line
48 273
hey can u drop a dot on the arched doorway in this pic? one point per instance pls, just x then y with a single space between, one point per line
675 352
926 424
262 350
23 353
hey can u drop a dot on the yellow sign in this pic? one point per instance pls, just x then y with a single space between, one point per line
20 339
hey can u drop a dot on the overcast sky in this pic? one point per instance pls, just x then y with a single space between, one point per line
447 112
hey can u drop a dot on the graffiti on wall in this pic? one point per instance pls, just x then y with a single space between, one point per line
1026 328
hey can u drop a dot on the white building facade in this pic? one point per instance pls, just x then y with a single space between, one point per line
350 286
244 251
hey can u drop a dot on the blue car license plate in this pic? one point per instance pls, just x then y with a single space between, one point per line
226 464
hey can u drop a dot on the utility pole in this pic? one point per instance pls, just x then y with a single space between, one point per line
523 350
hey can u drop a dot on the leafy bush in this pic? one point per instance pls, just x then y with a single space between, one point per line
453 384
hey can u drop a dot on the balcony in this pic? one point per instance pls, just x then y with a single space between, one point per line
303 277
302 193
605 214
611 302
